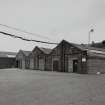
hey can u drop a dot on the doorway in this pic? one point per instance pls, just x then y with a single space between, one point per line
55 65
75 66
17 64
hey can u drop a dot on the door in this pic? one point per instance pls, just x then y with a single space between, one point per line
20 64
75 66
17 64
55 65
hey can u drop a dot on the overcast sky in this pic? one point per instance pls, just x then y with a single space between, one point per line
55 19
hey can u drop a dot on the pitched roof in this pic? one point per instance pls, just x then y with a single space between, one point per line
5 54
84 47
26 53
45 50
79 46
91 51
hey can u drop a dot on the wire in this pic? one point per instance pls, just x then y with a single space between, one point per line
24 31
25 39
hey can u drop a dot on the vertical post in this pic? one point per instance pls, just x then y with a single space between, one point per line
63 58
88 38
92 30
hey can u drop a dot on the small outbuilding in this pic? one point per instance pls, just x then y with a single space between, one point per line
41 56
7 60
22 59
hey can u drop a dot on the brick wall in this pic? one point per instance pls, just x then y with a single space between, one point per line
67 53
48 63
95 65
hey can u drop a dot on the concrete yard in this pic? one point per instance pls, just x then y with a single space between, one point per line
24 87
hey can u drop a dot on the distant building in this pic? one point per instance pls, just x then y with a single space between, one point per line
22 59
7 60
40 56
70 57
65 57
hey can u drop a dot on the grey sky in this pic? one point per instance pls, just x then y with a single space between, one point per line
56 19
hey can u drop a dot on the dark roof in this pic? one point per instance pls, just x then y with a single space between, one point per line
5 54
79 46
45 50
26 53
91 51
84 47
31 54
42 49
99 44
94 54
